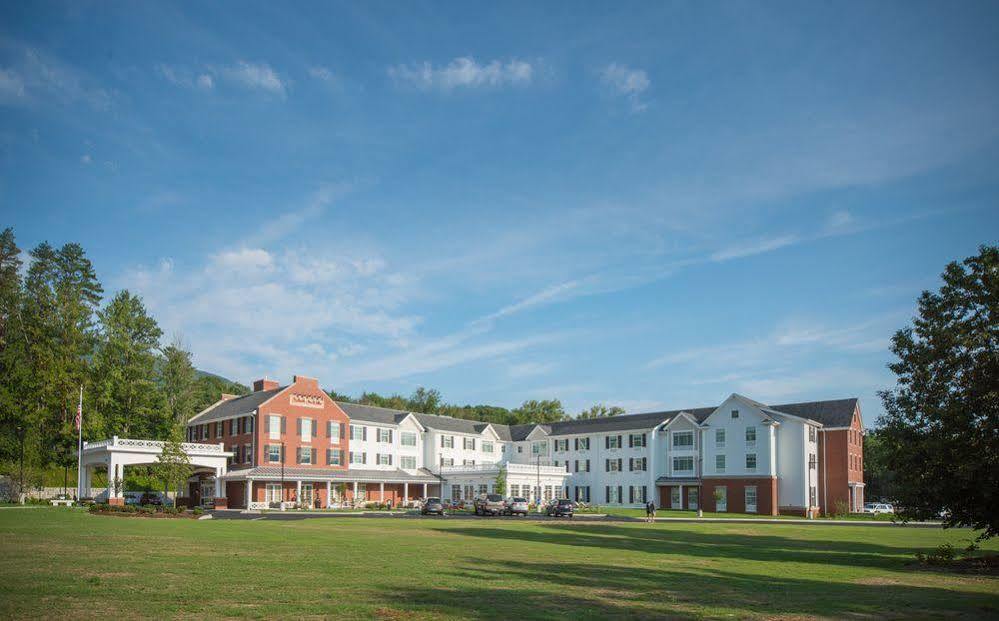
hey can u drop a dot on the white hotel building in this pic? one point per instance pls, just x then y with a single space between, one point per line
293 443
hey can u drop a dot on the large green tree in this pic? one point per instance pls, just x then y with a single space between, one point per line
544 411
128 397
177 382
941 423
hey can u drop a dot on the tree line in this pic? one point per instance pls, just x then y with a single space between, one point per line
58 332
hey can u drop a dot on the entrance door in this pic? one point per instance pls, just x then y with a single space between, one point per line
692 498
306 499
721 499
273 493
675 500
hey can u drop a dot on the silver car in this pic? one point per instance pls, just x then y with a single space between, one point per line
516 506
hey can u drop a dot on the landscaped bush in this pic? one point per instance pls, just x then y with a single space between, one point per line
144 511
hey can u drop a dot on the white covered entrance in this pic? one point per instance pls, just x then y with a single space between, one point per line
117 453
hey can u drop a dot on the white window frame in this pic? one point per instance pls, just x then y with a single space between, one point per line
304 450
751 507
357 432
384 435
407 462
487 447
270 448
306 429
719 438
273 427
720 463
407 438
683 459
383 459
755 462
750 443
683 447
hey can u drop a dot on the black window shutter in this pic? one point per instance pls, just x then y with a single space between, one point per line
587 465
329 433
313 460
329 457
645 494
620 443
608 494
606 442
364 433
631 494
631 464
577 443
343 430
364 458
631 441
607 465
283 426
298 426
390 436
620 495
442 441
315 428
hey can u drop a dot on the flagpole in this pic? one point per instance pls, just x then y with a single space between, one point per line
79 448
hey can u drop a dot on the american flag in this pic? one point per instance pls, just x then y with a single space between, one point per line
79 413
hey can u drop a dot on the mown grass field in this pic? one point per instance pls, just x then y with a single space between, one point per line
67 563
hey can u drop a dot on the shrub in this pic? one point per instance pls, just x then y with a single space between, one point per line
197 511
842 509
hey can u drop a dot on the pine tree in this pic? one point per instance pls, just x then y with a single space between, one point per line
128 399
177 382
940 430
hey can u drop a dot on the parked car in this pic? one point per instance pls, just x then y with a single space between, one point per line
132 498
878 507
489 504
151 498
562 507
432 505
517 506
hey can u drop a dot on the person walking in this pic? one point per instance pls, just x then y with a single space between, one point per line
650 512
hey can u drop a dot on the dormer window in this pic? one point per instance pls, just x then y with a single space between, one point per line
735 413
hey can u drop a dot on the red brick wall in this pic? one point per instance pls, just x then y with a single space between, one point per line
843 456
288 403
766 494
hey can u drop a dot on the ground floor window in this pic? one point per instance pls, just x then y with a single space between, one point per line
362 491
721 498
273 493
548 493
483 488
750 499
455 492
307 495
675 500
613 494
692 498
515 491
207 489
469 492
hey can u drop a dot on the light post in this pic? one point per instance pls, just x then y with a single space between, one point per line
282 476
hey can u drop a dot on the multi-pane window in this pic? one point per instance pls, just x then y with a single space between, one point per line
812 496
735 413
447 461
582 444
636 440
384 435
468 443
487 447
562 444
683 464
305 425
384 459
333 431
407 462
683 439
218 428
720 438
720 463
274 427
637 463
447 441
468 462
812 462
613 465
247 453
514 491
750 499
358 457
357 432
539 448
613 442
408 438
334 457
305 455
750 436
750 461
811 433
483 489
274 452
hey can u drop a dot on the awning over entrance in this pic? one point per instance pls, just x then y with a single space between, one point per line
677 481
273 473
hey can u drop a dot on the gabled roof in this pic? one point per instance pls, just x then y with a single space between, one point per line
834 413
608 424
372 413
456 425
239 406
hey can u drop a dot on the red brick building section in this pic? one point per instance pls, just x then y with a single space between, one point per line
841 466
735 493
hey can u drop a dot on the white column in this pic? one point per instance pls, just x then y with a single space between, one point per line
381 492
298 492
115 472
355 491
329 494
425 491
219 483
681 497
405 492
249 493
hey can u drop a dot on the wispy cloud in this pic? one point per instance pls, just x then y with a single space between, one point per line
254 76
34 76
180 76
323 74
626 82
748 249
464 72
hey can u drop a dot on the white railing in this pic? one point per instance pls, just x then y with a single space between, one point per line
154 445
511 468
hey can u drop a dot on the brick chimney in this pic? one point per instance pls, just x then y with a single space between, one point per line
305 381
264 384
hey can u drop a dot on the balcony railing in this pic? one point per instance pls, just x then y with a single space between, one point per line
511 468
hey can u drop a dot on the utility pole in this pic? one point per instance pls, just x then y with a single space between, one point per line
282 476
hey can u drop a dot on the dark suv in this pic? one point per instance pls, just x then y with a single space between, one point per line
560 508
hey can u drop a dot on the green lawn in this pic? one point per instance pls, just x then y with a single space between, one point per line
67 563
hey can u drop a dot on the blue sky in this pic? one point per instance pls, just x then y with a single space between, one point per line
650 206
